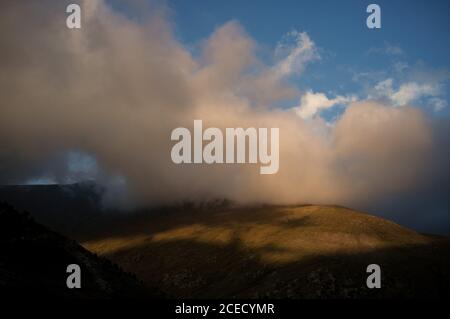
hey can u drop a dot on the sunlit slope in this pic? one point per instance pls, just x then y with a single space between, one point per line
305 251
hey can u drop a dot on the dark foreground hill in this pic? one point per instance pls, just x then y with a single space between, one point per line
33 262
62 207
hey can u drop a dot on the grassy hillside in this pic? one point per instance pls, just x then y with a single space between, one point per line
215 250
297 252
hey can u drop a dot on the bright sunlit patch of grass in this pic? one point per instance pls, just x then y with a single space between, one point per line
276 235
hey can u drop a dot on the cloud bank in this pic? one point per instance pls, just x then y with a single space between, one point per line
117 88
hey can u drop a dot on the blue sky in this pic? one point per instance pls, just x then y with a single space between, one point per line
412 47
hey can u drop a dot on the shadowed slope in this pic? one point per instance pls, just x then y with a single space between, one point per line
33 263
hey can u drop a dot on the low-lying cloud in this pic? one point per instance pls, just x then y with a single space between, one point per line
116 89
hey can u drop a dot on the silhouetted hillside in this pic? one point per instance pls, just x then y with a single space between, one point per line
33 262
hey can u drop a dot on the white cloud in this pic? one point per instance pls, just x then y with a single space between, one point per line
294 56
383 88
311 103
400 67
438 104
387 49
408 92
412 91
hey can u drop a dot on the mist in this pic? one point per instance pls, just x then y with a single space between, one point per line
116 89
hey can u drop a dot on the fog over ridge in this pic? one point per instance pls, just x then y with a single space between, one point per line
117 88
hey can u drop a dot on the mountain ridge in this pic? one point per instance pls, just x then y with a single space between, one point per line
224 250
281 252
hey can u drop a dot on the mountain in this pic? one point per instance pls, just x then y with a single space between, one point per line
62 207
217 250
34 259
281 252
